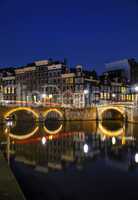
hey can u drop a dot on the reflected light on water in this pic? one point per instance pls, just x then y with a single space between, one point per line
9 123
85 148
50 137
6 130
43 140
136 157
22 137
53 131
110 133
113 140
103 138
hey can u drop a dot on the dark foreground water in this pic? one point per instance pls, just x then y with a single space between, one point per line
74 160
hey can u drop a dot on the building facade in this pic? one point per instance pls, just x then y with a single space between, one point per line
126 70
53 82
7 86
39 80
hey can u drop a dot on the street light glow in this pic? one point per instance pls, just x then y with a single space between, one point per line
86 91
43 95
113 95
136 88
50 96
9 123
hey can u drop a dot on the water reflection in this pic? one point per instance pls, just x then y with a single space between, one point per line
111 129
53 129
74 143
25 136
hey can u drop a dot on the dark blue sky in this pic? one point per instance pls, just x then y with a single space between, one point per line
88 32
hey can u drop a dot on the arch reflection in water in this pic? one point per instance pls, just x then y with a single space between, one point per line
53 121
108 132
22 137
72 146
48 127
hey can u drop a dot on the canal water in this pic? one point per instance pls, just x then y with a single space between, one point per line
73 160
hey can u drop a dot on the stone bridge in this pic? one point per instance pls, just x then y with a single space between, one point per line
126 110
40 113
37 112
129 112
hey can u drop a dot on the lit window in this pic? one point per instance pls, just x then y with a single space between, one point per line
12 90
101 95
9 90
5 90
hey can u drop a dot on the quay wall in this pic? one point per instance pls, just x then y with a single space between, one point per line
9 188
81 114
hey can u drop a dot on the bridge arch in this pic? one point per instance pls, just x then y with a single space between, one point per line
53 110
102 110
61 116
7 114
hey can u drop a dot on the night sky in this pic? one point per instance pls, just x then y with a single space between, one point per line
88 32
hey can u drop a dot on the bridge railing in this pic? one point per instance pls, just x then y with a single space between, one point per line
55 104
33 104
117 103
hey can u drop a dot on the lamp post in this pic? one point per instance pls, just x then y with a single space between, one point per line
113 96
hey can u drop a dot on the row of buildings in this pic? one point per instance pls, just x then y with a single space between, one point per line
53 82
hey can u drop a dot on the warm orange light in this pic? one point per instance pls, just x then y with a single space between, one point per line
22 137
53 110
123 140
110 133
112 108
20 108
53 132
50 137
6 130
